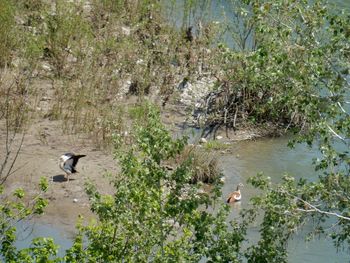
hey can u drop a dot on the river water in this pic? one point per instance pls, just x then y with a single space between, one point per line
271 156
274 159
221 11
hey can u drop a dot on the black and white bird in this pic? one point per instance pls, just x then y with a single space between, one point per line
68 161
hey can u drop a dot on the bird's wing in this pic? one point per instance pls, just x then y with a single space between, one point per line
76 159
233 196
229 199
69 165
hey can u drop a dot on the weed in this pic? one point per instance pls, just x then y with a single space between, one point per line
215 145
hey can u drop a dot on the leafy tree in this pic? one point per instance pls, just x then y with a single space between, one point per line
287 66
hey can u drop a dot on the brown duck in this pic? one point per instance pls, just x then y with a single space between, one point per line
236 195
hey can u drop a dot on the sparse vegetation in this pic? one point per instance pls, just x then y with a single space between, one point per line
15 205
215 145
7 33
289 65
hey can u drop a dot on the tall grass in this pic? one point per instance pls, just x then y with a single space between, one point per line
129 55
7 31
100 53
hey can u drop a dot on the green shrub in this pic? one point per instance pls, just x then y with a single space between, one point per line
7 32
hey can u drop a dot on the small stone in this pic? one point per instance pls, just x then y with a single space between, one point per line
75 200
140 62
71 58
46 66
126 31
203 140
219 137
200 191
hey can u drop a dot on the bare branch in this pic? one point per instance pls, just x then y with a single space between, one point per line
313 209
336 134
13 161
18 168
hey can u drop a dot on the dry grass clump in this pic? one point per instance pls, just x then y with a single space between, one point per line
204 165
205 168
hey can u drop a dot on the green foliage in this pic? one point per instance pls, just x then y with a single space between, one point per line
42 250
204 165
32 5
277 225
139 113
15 210
21 32
154 214
215 145
123 63
290 70
44 184
30 31
7 31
